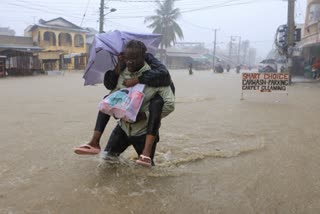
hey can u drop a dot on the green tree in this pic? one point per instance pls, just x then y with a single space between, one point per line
164 22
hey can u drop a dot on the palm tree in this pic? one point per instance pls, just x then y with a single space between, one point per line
164 22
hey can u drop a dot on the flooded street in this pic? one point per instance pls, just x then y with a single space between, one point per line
217 154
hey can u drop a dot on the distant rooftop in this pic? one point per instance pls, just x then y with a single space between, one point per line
17 42
58 23
7 31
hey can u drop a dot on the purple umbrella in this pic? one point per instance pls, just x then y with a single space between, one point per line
107 46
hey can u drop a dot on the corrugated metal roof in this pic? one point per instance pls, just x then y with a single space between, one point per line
16 40
57 27
19 47
191 55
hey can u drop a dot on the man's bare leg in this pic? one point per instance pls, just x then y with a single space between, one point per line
148 145
144 158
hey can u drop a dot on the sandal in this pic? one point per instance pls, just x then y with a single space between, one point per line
86 149
144 161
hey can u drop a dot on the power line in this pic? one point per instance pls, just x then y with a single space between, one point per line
214 6
42 10
84 15
45 6
153 1
194 25
47 11
224 4
119 24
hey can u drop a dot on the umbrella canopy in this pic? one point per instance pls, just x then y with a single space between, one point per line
107 46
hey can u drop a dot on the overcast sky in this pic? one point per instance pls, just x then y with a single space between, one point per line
255 20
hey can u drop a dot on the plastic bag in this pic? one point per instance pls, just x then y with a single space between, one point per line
124 103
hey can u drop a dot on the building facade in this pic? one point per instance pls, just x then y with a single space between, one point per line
18 56
311 33
63 44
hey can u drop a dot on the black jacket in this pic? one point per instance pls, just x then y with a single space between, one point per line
158 76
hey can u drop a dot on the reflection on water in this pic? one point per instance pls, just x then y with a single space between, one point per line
217 154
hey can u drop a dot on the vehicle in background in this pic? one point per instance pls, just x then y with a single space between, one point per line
268 66
282 65
219 69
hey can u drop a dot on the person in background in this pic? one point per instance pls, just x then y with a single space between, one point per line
190 69
316 68
238 69
228 67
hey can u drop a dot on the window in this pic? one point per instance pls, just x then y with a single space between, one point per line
65 39
50 38
314 13
78 40
66 60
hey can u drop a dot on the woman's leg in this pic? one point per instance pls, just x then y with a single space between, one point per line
155 110
101 123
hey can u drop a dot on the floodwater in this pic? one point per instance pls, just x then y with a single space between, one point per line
217 154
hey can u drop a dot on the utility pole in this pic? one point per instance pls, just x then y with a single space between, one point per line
239 49
101 17
214 49
291 39
230 49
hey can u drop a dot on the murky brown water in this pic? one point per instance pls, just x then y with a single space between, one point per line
217 154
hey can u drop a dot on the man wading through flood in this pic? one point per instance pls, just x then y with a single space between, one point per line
143 134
